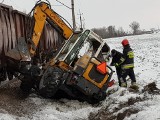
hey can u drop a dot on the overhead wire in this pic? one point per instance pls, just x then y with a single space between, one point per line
63 4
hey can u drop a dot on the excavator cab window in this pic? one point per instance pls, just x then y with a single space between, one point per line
67 47
72 54
87 48
103 53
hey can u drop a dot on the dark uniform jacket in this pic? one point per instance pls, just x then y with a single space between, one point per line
129 57
117 59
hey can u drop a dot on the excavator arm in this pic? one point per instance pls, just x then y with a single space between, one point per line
24 51
42 12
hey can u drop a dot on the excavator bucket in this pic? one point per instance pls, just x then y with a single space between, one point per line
20 52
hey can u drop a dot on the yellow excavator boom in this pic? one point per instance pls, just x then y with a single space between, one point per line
42 12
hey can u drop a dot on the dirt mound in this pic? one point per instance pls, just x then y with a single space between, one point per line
151 88
14 101
105 114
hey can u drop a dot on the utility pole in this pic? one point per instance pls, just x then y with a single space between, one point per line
80 18
73 15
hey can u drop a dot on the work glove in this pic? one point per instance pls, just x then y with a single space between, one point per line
116 65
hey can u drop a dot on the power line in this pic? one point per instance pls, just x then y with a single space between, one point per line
63 4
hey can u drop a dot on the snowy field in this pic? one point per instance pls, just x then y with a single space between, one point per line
142 106
147 70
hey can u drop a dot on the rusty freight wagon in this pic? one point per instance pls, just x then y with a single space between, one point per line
13 25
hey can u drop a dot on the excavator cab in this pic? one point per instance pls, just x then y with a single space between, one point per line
79 69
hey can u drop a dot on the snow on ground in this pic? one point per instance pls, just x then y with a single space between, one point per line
63 110
147 64
147 56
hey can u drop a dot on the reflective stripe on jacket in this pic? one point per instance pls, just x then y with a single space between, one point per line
127 66
129 57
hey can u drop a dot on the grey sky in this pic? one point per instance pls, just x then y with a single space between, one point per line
102 13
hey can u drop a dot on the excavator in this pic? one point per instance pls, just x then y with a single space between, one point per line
79 68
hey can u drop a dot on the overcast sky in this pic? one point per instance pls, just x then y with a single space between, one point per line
102 13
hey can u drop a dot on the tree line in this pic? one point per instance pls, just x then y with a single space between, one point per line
111 31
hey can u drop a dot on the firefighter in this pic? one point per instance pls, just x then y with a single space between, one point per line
117 61
128 64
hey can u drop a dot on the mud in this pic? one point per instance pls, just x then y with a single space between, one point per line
105 114
14 102
151 88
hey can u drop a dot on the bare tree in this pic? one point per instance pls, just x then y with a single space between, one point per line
135 27
101 32
153 30
111 31
120 32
